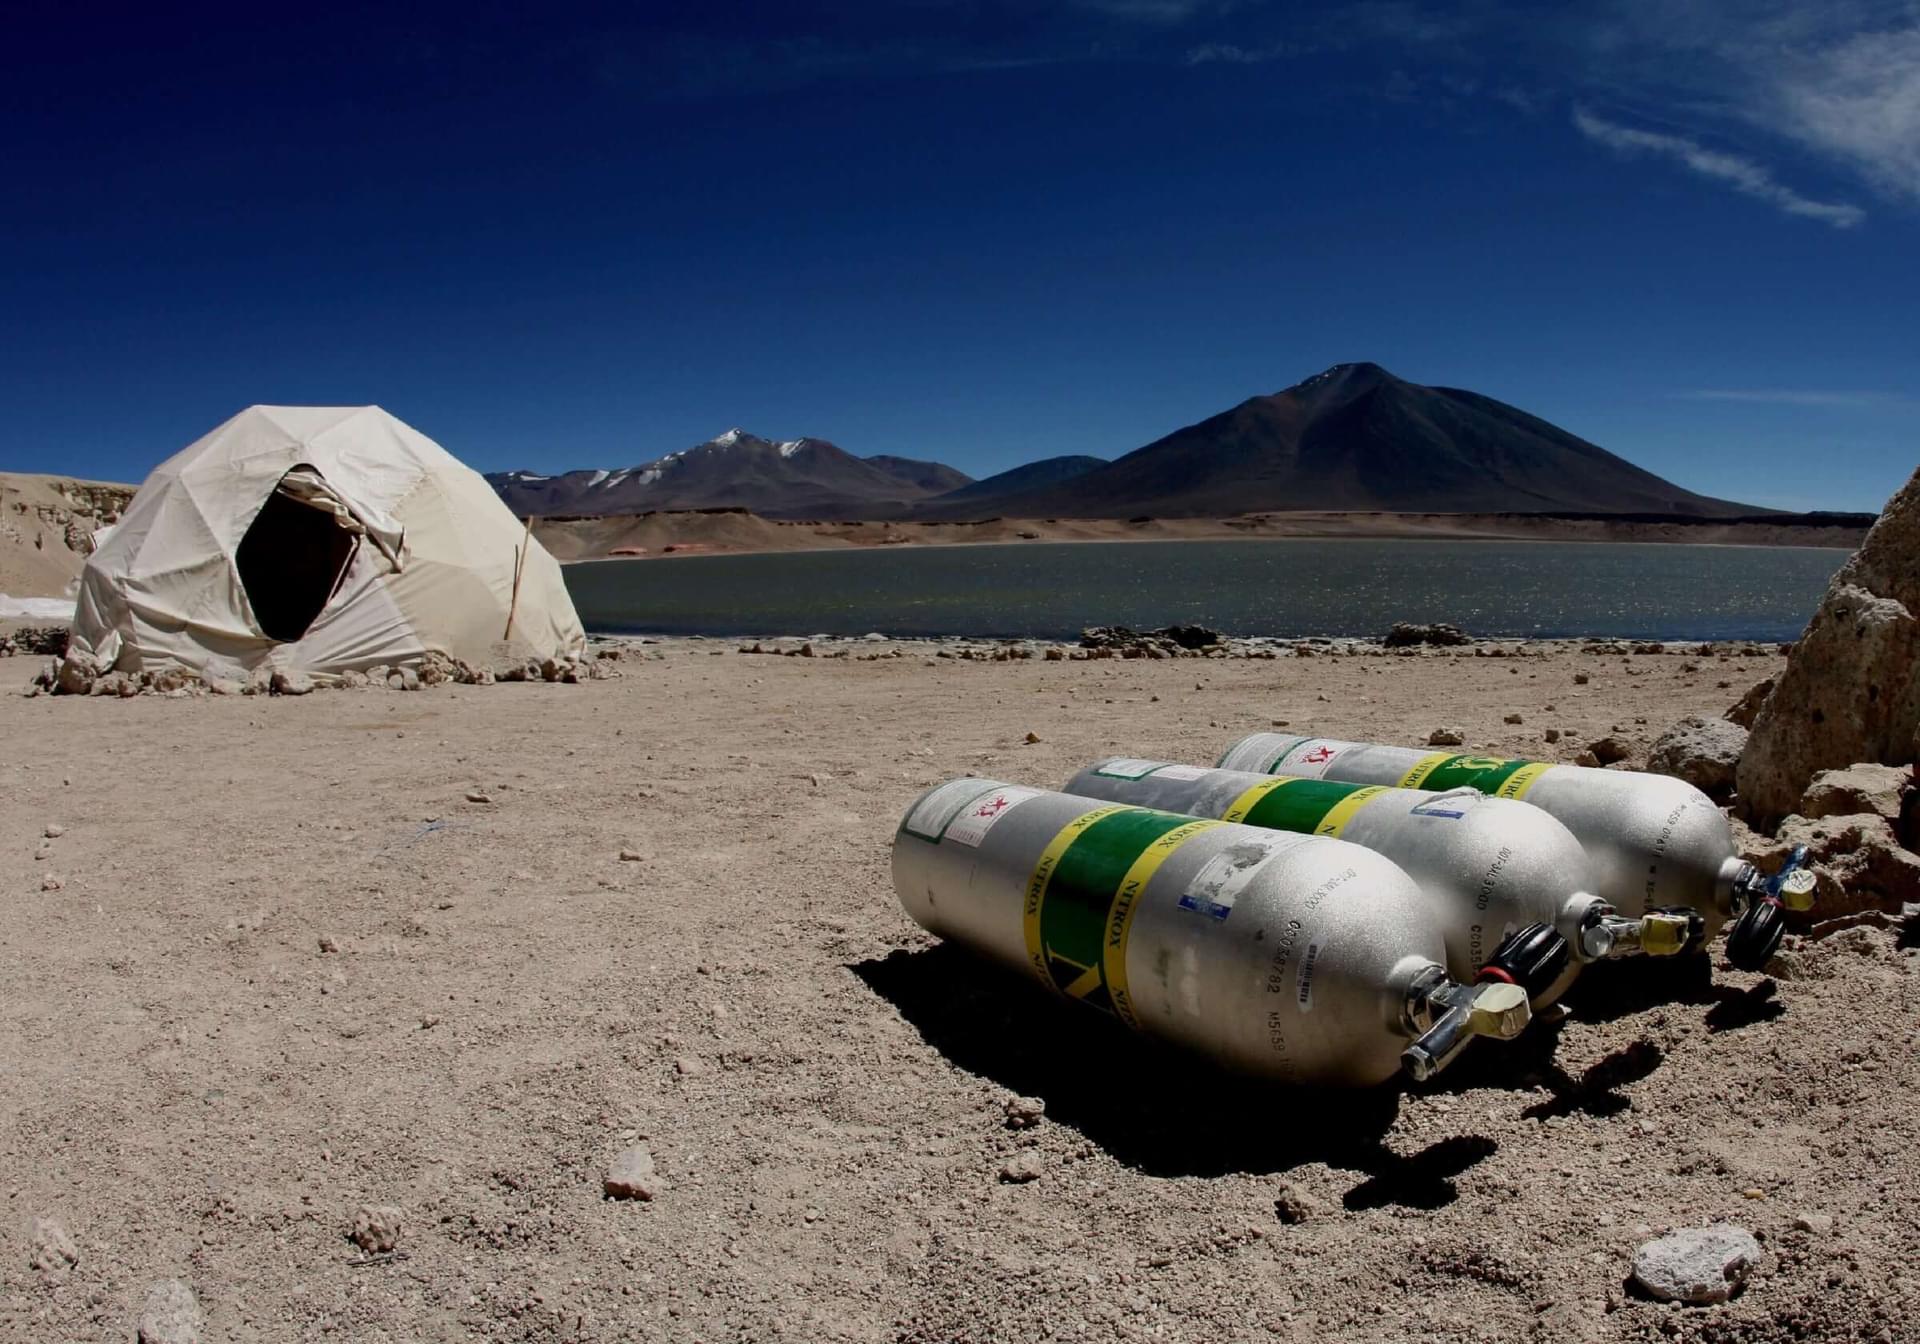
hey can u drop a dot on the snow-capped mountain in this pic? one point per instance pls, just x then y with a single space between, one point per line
794 478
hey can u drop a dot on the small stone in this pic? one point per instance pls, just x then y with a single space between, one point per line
1819 1224
50 1250
1697 1264
1025 1165
328 944
1025 1112
1511 718
171 1315
1581 678
689 1066
631 856
1293 1205
54 831
632 1176
476 796
287 682
1446 737
1551 735
1032 738
52 882
375 1228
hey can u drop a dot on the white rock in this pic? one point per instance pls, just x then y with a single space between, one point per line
50 1250
171 1316
1697 1264
1025 1165
632 1176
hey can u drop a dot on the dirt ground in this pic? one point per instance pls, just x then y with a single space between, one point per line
197 1087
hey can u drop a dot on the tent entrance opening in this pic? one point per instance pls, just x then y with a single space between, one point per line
291 562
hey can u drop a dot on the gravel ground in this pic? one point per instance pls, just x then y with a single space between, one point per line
292 970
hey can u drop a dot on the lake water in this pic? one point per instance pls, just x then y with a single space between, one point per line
1280 588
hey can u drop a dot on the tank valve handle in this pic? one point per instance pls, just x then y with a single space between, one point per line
1533 958
1756 934
1672 930
1603 932
1448 1015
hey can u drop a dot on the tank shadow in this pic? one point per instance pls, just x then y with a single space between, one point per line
1158 1111
1596 1091
1739 1008
1613 990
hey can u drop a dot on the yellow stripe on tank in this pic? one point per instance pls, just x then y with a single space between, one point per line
1037 884
1247 801
1126 900
1336 820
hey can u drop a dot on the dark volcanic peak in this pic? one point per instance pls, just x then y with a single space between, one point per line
1356 438
804 477
969 500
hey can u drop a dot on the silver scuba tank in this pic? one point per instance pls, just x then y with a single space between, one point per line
1657 843
1490 865
1295 957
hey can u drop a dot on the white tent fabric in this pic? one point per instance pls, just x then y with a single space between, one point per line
435 557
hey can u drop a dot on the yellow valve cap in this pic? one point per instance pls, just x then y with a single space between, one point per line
1665 935
1500 1010
1796 893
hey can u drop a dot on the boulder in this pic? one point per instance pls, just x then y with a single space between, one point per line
1868 787
1858 861
78 671
289 681
1851 688
1747 708
1702 751
171 1315
1405 634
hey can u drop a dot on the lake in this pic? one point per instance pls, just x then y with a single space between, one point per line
1281 588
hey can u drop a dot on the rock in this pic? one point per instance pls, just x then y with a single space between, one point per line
1697 1264
1446 737
409 679
1581 678
1025 1112
171 1315
1747 708
375 1228
1511 718
1819 1224
689 1066
228 686
1851 687
1405 634
1190 636
1702 751
1032 738
476 796
78 672
53 830
632 1176
1857 860
1025 1165
1609 749
1293 1205
1551 735
1868 787
631 856
328 943
52 882
290 682
351 680
50 1250
1055 655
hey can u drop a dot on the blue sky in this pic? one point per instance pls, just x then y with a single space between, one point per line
973 231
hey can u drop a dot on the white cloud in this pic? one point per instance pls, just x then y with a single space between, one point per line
1859 100
1742 174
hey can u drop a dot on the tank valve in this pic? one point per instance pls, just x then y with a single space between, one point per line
1672 930
1605 933
1532 958
1447 1015
1756 934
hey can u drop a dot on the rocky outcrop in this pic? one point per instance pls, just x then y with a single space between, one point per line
1747 708
1701 751
1405 634
1851 690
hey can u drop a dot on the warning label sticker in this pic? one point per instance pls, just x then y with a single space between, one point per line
1217 886
982 814
1313 758
1126 767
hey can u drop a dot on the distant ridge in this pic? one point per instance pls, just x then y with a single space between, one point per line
1356 438
1352 439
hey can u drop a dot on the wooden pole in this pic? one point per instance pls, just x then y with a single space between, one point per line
519 567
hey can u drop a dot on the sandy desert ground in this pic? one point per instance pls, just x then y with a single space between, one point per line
293 967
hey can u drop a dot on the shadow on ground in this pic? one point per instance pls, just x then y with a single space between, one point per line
1158 1111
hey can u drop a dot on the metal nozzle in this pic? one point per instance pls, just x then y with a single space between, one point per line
1763 904
1497 1009
1600 932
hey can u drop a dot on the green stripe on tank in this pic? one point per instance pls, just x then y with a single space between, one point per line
1079 897
1300 806
1472 772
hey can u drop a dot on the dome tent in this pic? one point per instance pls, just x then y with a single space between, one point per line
318 539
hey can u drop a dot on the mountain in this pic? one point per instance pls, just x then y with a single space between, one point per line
798 478
1356 438
968 499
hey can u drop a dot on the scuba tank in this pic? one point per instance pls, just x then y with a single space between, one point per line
1657 843
1294 957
